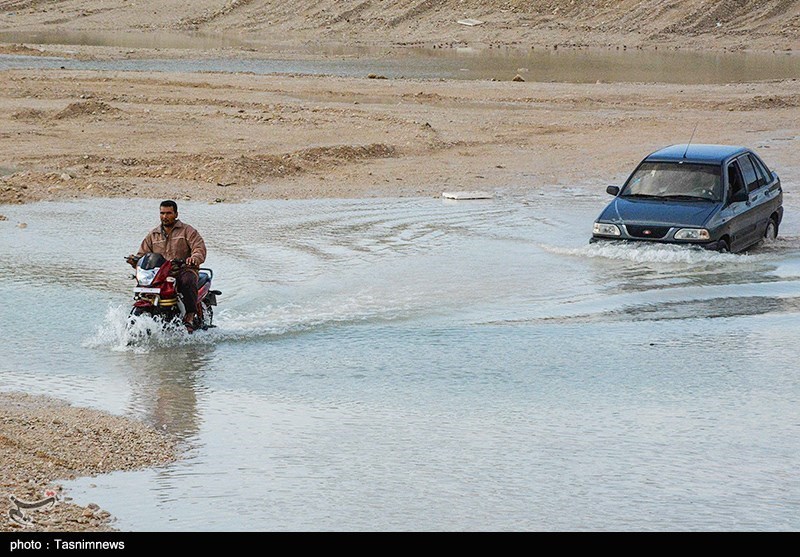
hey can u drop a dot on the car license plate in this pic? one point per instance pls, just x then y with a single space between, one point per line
143 290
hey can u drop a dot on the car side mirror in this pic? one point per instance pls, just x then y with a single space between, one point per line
613 190
740 195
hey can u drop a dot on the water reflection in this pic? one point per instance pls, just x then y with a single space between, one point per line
165 385
643 279
641 267
249 54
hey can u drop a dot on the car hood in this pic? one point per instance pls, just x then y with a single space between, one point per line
661 212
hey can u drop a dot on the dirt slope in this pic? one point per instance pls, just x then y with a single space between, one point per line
733 24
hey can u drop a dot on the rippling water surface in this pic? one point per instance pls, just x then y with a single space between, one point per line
419 364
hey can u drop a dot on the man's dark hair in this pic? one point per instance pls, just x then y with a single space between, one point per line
170 203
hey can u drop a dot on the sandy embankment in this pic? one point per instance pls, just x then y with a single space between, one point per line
232 137
228 137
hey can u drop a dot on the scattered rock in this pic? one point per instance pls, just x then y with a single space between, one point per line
467 195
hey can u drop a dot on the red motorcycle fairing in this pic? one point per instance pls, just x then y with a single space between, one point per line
160 297
167 289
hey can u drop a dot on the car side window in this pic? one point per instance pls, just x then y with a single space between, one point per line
735 181
751 180
764 176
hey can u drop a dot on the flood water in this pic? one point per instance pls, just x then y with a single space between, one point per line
533 63
422 364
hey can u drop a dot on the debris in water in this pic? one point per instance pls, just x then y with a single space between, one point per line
467 195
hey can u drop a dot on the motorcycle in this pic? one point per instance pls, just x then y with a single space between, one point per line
156 293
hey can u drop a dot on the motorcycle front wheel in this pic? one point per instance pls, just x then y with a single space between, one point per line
165 316
208 315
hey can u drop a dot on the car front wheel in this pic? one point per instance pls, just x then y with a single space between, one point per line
772 231
723 246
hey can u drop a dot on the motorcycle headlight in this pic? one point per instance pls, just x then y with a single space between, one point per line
692 234
144 276
605 229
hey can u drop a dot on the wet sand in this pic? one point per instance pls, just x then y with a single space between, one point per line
228 138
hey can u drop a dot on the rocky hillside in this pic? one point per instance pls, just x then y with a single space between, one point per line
760 24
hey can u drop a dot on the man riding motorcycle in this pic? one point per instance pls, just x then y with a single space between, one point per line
177 240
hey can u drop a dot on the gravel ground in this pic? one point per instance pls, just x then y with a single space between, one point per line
43 440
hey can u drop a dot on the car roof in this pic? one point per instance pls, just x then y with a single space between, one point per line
699 153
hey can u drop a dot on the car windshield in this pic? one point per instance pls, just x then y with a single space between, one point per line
672 180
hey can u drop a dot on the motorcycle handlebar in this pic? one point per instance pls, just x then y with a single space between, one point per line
132 260
180 263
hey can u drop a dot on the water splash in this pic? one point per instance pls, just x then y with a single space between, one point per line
653 253
120 331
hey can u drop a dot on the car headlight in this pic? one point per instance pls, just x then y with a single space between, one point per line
605 229
692 234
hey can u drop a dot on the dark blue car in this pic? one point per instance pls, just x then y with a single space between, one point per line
719 197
